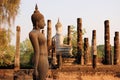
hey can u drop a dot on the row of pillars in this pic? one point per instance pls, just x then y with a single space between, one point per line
108 55
80 57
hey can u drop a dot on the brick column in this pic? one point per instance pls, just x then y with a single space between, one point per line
69 36
86 51
107 42
94 50
116 48
49 37
79 41
17 54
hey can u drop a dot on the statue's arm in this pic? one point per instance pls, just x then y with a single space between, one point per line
35 44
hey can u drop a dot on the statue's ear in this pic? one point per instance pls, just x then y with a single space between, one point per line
36 23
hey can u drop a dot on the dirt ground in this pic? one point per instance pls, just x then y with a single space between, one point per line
67 73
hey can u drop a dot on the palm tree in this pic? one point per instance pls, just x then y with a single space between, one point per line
8 11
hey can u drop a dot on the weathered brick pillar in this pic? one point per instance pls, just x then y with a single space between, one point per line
69 35
49 37
116 48
86 51
107 42
17 54
79 41
59 60
94 50
111 55
54 57
53 47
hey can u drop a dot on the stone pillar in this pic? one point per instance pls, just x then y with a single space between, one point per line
111 55
49 37
94 50
53 47
107 42
54 59
79 41
69 35
86 51
116 48
59 60
17 54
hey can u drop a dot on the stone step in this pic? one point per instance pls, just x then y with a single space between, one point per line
68 61
88 68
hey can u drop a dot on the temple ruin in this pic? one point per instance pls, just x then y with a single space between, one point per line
60 52
61 60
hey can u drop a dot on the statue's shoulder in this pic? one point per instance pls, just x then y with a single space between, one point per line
32 33
41 35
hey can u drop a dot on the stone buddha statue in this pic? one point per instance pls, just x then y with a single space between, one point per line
58 36
38 40
62 48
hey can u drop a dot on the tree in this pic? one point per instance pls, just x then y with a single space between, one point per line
26 55
8 11
100 51
6 50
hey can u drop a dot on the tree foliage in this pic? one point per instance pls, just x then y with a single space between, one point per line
26 51
6 50
100 51
8 11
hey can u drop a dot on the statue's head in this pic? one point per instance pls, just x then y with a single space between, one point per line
37 19
58 27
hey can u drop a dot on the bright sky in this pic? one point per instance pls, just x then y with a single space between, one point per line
92 12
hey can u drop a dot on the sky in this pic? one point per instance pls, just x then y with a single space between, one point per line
92 12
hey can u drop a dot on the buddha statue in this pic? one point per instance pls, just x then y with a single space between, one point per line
61 49
58 36
38 40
